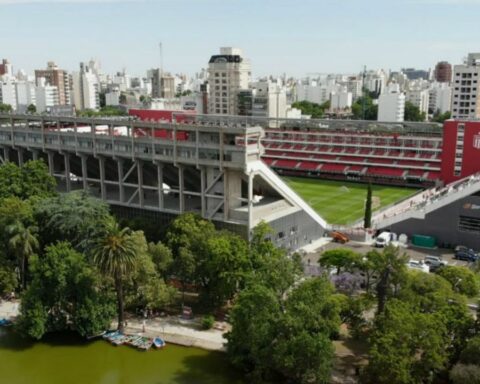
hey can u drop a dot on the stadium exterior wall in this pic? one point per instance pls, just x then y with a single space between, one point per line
445 224
468 146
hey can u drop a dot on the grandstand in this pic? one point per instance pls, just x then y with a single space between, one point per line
383 153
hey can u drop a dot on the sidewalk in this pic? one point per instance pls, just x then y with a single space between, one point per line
9 309
178 331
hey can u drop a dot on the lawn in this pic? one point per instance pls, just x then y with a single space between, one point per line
340 202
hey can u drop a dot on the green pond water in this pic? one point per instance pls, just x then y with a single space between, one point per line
67 359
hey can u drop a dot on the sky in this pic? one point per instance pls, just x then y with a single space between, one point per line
298 38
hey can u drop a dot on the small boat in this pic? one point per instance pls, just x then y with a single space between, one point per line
119 339
5 322
144 344
101 334
108 335
158 342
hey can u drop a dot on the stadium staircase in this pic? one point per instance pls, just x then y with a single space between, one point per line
421 204
261 169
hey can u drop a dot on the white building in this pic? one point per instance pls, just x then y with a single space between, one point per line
25 94
46 96
112 98
419 98
391 104
340 100
8 91
228 73
85 89
440 97
466 94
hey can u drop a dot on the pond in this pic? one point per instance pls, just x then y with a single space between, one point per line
66 358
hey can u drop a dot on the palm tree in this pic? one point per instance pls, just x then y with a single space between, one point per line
23 242
115 254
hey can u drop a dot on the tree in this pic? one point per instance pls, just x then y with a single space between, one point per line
23 243
364 108
187 237
5 108
285 339
32 108
390 267
462 279
439 117
115 254
367 221
76 217
271 266
224 272
412 112
30 180
407 346
344 259
316 111
161 256
465 374
65 293
251 340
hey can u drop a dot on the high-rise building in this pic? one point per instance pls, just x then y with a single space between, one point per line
466 94
440 99
25 94
46 95
85 89
391 104
443 72
163 84
8 92
228 74
415 74
58 78
419 98
6 68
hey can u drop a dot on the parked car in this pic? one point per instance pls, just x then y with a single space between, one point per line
339 237
434 262
384 238
418 266
465 253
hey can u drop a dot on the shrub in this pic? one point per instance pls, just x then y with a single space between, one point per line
208 321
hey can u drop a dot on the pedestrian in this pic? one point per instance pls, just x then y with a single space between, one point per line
143 326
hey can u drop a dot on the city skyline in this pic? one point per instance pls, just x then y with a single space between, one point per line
276 38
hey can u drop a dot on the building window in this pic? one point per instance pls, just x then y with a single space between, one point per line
469 224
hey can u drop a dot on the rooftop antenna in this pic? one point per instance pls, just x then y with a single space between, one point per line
161 57
364 91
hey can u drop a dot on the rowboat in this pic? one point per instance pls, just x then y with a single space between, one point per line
158 342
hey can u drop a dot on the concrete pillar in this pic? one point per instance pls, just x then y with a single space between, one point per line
103 187
181 189
161 201
6 154
35 154
68 184
203 199
51 165
84 172
20 156
121 189
141 199
250 205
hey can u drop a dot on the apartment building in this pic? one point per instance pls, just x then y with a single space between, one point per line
228 74
466 95
58 78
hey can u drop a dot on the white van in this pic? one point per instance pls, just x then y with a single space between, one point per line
384 239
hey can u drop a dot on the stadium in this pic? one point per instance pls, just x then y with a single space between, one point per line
163 163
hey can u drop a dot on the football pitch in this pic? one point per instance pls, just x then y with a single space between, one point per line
341 202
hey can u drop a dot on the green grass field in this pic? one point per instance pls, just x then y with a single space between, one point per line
340 202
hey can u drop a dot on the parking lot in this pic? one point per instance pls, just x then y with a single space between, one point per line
414 253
